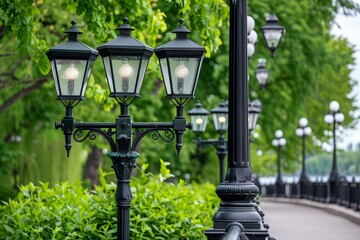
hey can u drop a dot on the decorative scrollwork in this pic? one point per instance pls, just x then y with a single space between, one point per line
168 135
80 136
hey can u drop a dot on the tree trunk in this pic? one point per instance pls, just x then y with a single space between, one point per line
93 163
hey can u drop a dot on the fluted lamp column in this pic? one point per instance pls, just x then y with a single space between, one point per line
279 142
303 131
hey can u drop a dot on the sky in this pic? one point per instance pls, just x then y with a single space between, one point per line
349 29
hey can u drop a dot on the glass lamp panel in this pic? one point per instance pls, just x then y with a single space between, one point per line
273 37
183 75
250 24
143 67
262 76
220 121
109 78
307 131
250 50
125 72
278 133
334 106
275 142
299 132
303 122
339 117
199 122
253 117
87 75
282 141
166 75
56 80
252 37
329 118
71 76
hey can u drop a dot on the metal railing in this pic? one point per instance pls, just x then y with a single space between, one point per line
235 231
347 192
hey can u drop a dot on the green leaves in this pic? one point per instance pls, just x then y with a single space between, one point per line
159 210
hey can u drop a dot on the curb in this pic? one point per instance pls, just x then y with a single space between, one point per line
335 209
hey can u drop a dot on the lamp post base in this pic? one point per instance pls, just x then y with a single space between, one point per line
333 189
237 206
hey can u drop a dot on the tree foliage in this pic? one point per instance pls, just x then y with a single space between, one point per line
311 67
160 210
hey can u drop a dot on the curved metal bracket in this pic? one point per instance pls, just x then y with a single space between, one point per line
80 136
167 136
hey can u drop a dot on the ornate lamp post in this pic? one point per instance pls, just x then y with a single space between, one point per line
125 60
238 191
279 142
334 117
198 117
303 131
261 73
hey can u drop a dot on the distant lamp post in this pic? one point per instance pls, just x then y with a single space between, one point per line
334 117
261 73
198 116
254 112
303 131
279 142
125 60
273 33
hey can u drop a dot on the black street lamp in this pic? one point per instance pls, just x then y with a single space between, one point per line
125 60
273 33
238 191
303 131
279 142
198 117
254 112
334 117
261 73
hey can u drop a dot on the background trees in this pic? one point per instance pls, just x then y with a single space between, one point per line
310 64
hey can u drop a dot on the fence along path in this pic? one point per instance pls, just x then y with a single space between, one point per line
289 221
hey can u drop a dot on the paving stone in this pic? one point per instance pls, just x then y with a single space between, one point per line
289 221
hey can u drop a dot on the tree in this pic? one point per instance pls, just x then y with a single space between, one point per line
309 63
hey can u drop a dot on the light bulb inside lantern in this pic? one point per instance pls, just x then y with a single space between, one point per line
222 119
71 73
125 72
199 121
181 72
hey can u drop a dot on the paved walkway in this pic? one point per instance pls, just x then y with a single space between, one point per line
291 221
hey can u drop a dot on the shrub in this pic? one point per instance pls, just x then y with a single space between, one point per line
160 210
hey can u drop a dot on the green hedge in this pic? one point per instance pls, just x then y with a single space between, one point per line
160 210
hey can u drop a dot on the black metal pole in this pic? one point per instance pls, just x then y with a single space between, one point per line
334 174
221 151
279 182
303 155
303 177
237 192
334 169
